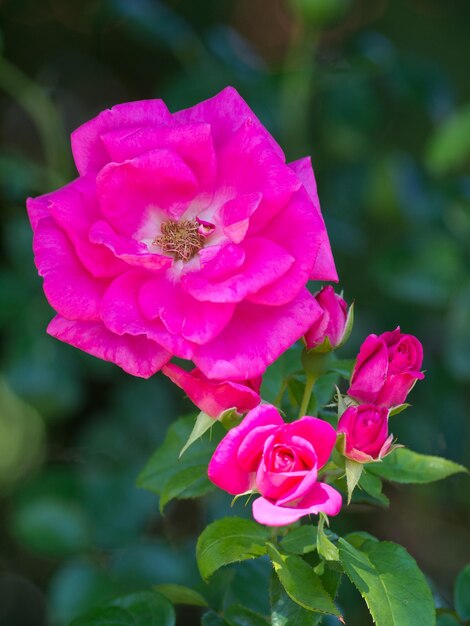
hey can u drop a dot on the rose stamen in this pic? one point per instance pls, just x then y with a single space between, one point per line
181 239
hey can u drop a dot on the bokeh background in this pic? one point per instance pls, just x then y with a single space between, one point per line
378 92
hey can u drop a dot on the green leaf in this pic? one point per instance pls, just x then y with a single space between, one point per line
212 619
359 537
300 540
462 593
450 145
190 482
372 485
229 540
326 548
105 616
275 376
202 424
179 594
398 409
285 612
301 583
170 476
406 466
447 619
238 615
391 583
353 474
148 609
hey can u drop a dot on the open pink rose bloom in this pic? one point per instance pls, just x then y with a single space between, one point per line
185 234
279 461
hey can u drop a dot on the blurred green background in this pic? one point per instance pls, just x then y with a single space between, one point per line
378 92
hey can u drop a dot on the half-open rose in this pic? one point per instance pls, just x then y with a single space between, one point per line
279 461
185 234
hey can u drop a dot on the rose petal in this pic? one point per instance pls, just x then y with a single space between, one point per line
182 314
321 435
158 180
69 288
324 266
88 150
225 112
192 142
224 470
322 498
255 337
213 397
265 262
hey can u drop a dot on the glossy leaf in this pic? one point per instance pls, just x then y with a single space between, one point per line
406 466
462 593
106 616
229 540
238 615
286 612
300 540
148 609
390 582
179 594
301 583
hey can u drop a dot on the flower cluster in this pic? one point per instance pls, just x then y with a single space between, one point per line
188 235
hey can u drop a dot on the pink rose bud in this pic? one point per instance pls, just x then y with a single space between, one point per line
332 328
215 396
365 429
386 369
280 461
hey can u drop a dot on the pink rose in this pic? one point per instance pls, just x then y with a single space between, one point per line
215 396
365 429
330 330
185 234
386 369
281 462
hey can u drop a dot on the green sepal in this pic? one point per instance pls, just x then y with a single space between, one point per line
353 475
202 424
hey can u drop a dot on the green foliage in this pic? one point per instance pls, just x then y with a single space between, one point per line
462 593
450 145
227 541
202 424
406 466
300 540
178 594
107 616
173 476
241 616
301 583
148 609
326 548
286 612
390 582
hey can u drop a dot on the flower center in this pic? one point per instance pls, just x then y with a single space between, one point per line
181 239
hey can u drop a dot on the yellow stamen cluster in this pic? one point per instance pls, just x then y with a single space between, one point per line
180 239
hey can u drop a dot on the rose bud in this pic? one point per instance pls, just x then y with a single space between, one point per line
386 369
334 325
214 397
365 430
279 461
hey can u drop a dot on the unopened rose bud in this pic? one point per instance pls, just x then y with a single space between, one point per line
365 430
332 329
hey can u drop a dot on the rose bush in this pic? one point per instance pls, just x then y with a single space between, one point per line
329 331
215 396
185 234
386 369
365 430
280 462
